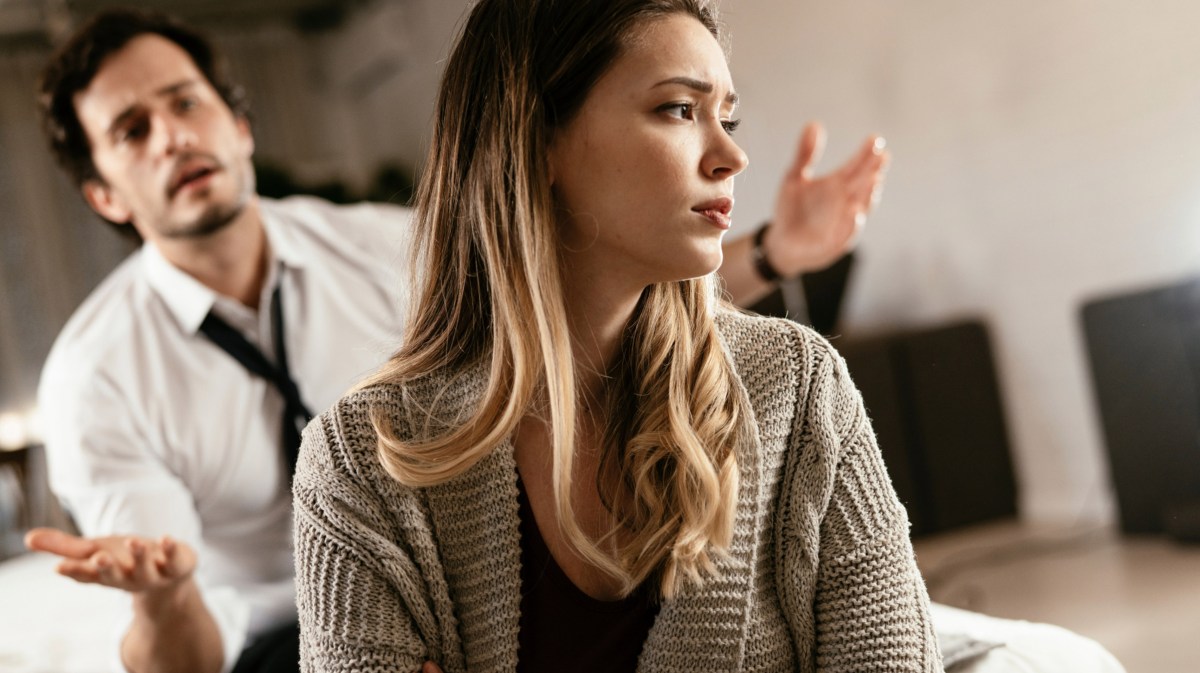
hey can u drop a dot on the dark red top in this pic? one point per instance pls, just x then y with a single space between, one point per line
564 629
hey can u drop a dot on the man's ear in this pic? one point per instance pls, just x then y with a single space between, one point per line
244 130
105 202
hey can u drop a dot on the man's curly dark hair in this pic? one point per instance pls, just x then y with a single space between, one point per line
74 65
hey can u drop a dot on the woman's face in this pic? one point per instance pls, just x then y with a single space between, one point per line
643 174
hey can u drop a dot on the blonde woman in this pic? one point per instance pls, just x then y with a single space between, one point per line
581 460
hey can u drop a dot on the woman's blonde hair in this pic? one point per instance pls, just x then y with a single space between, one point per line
489 291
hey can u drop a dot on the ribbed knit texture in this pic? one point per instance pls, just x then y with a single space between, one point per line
820 577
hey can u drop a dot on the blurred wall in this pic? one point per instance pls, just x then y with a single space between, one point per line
1045 153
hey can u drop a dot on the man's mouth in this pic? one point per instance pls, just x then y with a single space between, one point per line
190 175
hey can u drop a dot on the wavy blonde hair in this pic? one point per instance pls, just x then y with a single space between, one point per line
490 291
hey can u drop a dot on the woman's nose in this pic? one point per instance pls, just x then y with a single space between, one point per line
725 158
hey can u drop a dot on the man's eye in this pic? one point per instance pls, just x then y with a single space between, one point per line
186 104
132 133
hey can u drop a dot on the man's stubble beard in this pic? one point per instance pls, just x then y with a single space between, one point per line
217 216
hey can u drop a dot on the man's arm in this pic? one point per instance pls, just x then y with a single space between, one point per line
816 219
124 497
172 629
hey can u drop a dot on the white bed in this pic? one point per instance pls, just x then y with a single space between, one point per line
49 624
1020 646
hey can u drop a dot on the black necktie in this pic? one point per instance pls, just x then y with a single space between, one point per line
295 413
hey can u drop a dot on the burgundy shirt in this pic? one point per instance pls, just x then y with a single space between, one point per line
564 629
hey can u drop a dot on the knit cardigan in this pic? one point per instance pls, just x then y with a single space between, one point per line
820 575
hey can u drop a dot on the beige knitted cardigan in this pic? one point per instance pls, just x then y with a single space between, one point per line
821 575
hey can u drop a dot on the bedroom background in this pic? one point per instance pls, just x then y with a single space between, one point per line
1046 154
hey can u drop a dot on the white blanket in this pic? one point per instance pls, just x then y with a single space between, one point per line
1024 647
50 624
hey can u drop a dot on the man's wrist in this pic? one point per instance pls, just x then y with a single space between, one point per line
168 600
758 256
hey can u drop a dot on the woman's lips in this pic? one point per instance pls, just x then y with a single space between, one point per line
717 211
717 217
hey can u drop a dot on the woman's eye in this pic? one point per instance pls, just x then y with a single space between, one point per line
730 125
678 110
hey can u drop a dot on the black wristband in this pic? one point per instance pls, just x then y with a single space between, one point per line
759 257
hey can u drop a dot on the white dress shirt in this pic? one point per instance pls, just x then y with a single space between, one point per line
152 429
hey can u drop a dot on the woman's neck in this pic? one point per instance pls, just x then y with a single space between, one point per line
598 312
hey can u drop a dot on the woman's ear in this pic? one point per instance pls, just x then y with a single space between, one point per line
555 147
551 161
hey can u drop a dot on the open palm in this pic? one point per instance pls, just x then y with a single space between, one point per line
818 219
126 562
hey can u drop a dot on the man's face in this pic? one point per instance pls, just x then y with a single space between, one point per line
173 159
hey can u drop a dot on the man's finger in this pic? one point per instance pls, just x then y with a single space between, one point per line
140 571
119 556
812 146
162 557
60 543
867 162
108 570
869 186
80 571
178 560
173 562
169 547
876 193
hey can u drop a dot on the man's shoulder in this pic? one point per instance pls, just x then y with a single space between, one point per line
317 213
105 324
356 231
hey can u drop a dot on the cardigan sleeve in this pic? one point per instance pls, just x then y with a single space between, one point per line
846 536
361 601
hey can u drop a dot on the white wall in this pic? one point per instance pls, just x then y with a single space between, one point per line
1046 152
338 104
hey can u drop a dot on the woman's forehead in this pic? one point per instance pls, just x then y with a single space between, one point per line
673 47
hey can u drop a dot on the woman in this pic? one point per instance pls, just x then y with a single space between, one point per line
580 460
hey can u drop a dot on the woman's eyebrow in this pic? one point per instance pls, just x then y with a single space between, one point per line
698 85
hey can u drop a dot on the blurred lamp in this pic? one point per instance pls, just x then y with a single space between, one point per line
15 430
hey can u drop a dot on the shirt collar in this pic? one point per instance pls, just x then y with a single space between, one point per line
281 238
189 300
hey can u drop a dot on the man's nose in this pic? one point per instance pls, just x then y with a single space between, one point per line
172 135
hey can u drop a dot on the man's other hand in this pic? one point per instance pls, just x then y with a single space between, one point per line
127 562
818 219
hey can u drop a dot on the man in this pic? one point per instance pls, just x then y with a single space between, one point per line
175 393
